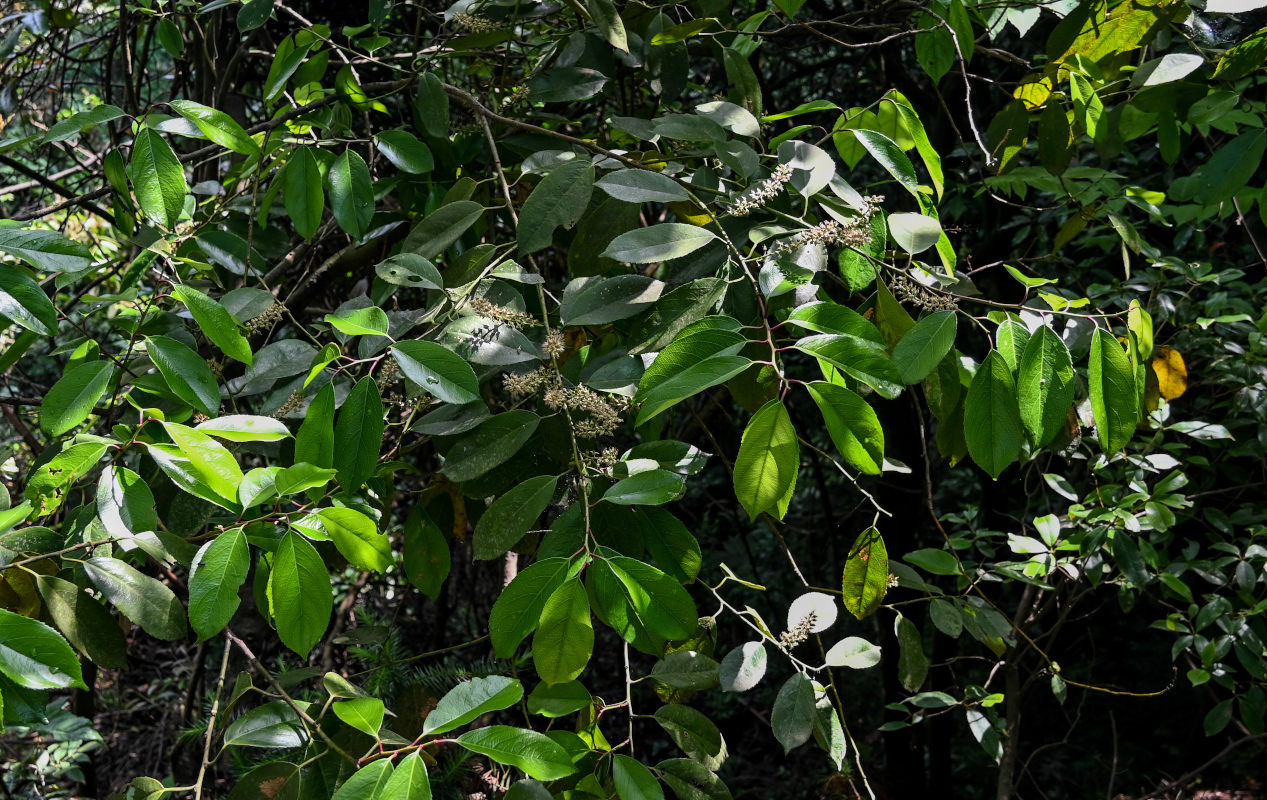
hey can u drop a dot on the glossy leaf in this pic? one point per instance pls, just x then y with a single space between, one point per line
24 302
186 373
535 753
866 578
437 369
158 179
74 396
564 640
35 656
217 126
144 600
471 699
351 193
305 202
852 424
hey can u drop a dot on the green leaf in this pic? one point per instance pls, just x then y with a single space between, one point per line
663 605
81 121
301 191
44 250
363 713
217 126
409 269
853 652
432 105
84 621
992 418
1012 338
511 516
535 753
768 461
438 370
891 157
299 594
642 186
358 435
142 599
1044 386
370 781
158 179
517 611
245 428
687 669
634 781
557 202
861 359
1231 168
409 780
218 572
357 538
668 541
369 321
426 553
185 372
273 724
441 228
73 397
490 445
652 488
35 656
792 717
558 700
125 503
597 301
923 347
1111 383
914 233
314 443
46 488
661 394
471 699
931 559
216 323
253 14
852 424
694 733
866 578
912 664
607 20
564 639
743 667
351 193
690 780
404 150
662 242
24 302
212 462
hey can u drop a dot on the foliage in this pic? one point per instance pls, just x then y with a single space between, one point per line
336 309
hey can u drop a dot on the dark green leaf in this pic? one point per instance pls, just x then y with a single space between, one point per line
142 599
84 621
45 250
358 435
351 193
404 150
271 725
305 202
662 242
1044 386
24 302
490 445
217 126
471 699
912 664
517 611
186 373
557 202
992 418
793 715
438 370
511 516
535 753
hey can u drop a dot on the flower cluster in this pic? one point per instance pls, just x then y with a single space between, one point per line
606 458
554 345
602 414
512 317
292 404
798 634
853 233
388 374
273 315
473 23
907 289
765 191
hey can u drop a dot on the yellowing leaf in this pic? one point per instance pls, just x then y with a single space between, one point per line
1033 91
689 212
1172 374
